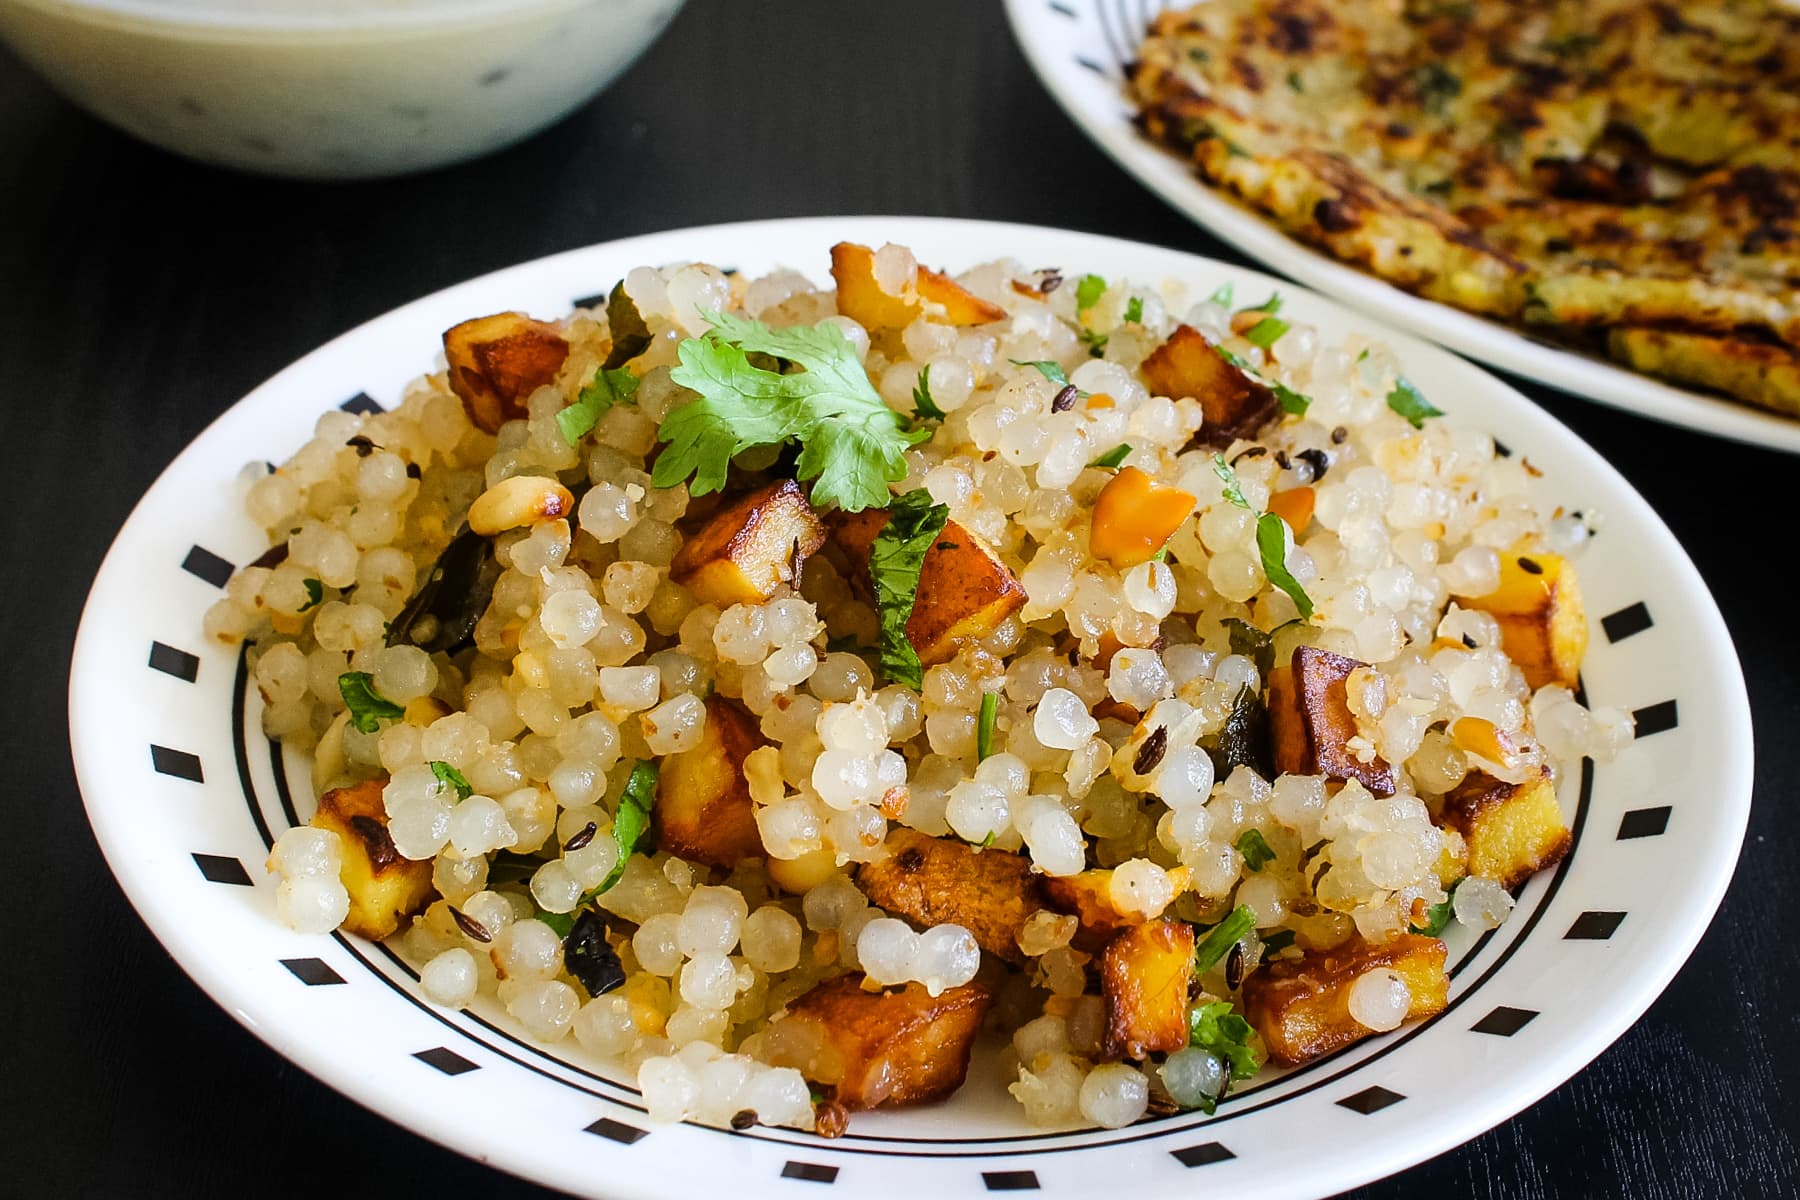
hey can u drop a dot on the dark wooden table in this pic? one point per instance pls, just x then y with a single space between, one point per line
140 295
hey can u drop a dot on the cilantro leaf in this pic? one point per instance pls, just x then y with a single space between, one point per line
1088 292
1271 544
1050 370
1095 342
315 594
1437 917
1407 400
631 337
449 776
1255 849
1222 296
924 407
1271 306
1290 400
1251 642
631 824
367 706
1267 332
1134 310
894 563
852 444
988 840
1294 81
1112 458
563 923
984 727
1223 937
1217 1029
1234 491
848 642
607 388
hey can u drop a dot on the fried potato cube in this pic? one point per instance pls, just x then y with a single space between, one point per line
1134 517
1234 405
1144 976
497 362
1513 830
931 881
1301 1006
862 298
386 890
1311 723
965 591
750 547
703 811
1543 625
894 1047
1087 896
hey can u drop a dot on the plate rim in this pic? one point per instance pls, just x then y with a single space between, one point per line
1491 343
86 677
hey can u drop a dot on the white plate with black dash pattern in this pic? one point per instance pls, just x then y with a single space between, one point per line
1078 49
185 795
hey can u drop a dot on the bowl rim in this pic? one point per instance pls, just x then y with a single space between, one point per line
214 16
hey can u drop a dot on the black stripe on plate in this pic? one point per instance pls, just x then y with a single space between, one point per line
204 564
178 763
313 972
1633 619
1644 822
1655 718
1203 1155
219 868
810 1172
362 404
617 1131
446 1060
1504 1021
1370 1100
1010 1181
171 661
1594 926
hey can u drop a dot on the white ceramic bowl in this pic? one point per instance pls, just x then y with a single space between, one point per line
338 89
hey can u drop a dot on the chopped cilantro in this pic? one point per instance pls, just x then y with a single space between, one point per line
894 564
1112 458
852 445
1255 849
988 840
1276 942
608 387
1215 1027
1407 400
1222 295
563 923
449 776
839 645
1294 81
1251 642
1290 400
630 335
1050 370
1134 310
984 727
1437 917
1095 342
367 706
1234 491
315 594
1363 357
631 824
1271 306
1223 937
1271 544
924 407
1088 292
1436 86
1267 332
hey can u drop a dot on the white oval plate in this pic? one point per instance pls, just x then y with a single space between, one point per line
1078 48
184 794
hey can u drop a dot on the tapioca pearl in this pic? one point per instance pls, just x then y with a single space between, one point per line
1114 1095
527 950
304 851
771 939
312 903
1380 999
451 978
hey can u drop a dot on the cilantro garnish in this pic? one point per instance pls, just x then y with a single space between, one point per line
563 923
984 726
607 388
924 407
449 776
630 335
1222 296
1271 544
1216 1028
1267 332
315 594
1276 942
852 444
988 840
1437 917
1407 400
1294 81
1234 491
1255 850
631 824
367 706
1088 292
1271 306
1134 311
1223 937
1290 400
1436 86
894 563
1112 458
1049 370
847 642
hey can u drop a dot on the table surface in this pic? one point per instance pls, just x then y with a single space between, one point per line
140 295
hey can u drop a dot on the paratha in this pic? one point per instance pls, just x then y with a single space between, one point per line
1616 175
